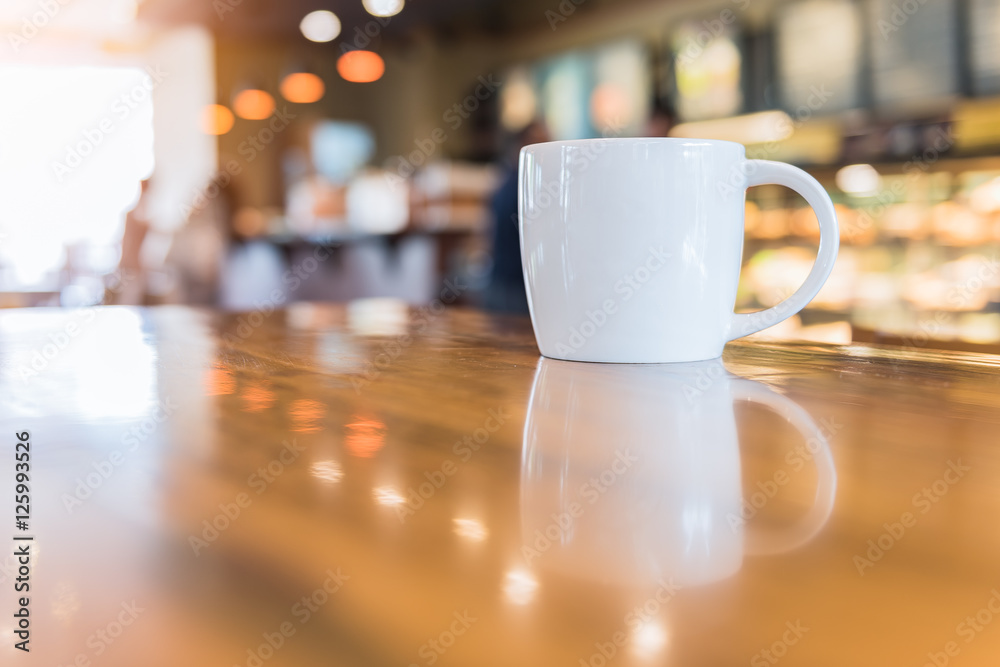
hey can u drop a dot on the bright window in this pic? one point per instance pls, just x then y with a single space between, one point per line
75 142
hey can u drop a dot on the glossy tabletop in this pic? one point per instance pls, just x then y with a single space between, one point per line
370 485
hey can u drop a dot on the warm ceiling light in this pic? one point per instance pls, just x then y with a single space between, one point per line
253 104
361 66
320 26
216 119
302 88
383 7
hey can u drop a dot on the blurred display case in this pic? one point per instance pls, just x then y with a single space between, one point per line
453 196
920 253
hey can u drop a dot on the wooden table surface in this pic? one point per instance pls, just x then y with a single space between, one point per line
366 485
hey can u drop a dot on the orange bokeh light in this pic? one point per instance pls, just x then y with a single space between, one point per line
253 104
257 397
365 436
218 379
216 119
302 88
307 415
610 106
361 66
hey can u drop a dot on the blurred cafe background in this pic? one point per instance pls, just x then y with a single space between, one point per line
236 153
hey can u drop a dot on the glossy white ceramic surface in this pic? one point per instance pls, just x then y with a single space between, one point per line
651 489
632 247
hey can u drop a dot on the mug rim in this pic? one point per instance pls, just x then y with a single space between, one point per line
691 141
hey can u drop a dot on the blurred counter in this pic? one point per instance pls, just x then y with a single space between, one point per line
362 485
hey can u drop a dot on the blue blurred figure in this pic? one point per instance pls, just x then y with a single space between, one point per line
505 292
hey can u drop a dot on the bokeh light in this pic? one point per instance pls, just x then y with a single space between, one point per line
388 496
364 436
302 88
609 106
307 415
471 529
383 8
648 639
327 471
361 66
216 119
257 397
518 102
320 26
858 179
219 381
519 586
253 104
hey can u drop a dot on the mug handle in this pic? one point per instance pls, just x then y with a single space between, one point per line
765 172
759 542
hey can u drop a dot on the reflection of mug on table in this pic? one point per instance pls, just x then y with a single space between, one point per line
632 473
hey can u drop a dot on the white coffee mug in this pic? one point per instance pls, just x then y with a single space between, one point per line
632 247
631 474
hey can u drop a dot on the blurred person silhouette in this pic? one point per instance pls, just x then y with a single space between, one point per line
131 288
662 119
505 291
197 251
220 256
